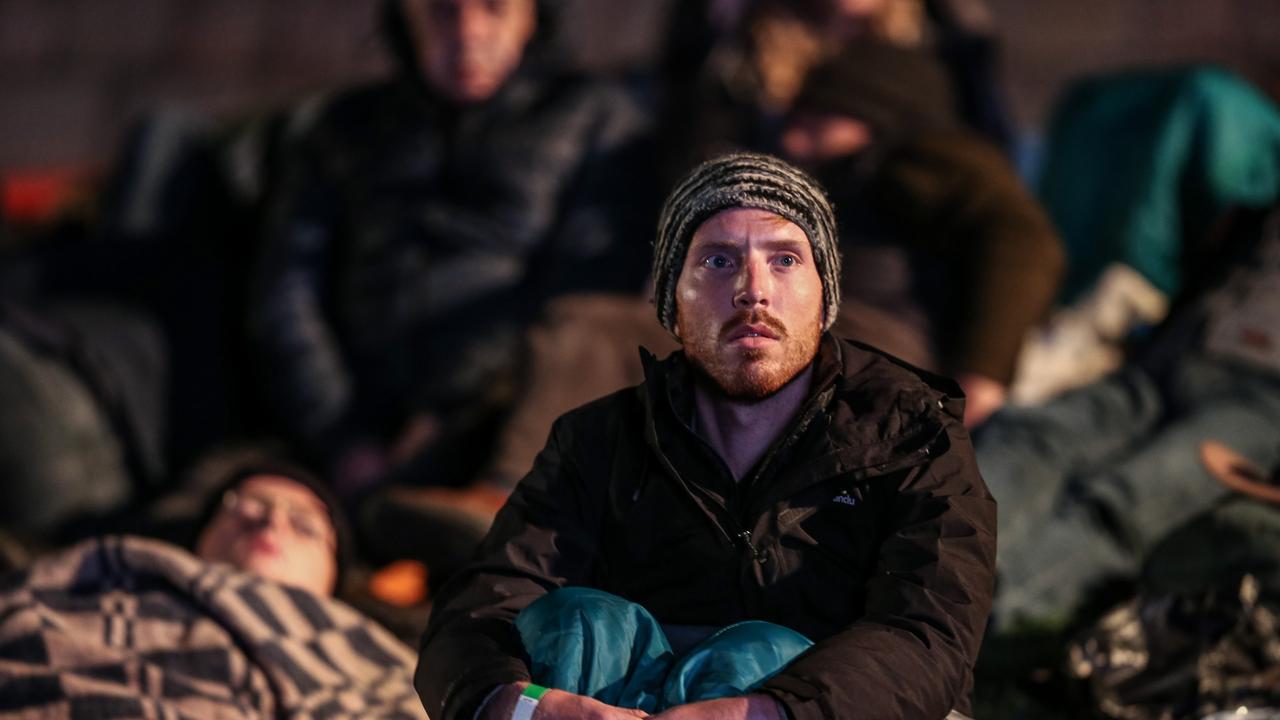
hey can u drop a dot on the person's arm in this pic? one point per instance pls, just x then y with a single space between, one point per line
305 375
958 198
910 653
544 538
601 241
756 706
554 705
982 397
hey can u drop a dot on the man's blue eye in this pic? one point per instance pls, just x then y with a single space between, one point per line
716 261
787 260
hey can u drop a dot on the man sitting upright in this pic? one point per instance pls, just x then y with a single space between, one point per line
776 523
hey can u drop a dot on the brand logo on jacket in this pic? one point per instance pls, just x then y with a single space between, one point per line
845 498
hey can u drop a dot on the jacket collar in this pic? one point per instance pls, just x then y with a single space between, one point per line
670 380
870 413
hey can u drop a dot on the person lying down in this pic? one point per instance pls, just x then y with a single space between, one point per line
125 626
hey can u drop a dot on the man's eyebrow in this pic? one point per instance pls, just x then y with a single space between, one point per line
771 244
722 245
783 243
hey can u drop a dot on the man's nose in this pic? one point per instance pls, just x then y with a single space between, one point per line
473 24
753 285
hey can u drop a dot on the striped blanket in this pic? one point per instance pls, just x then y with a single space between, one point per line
128 627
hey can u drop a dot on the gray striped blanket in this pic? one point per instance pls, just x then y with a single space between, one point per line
128 627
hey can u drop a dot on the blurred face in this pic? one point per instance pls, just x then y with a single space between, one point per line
749 302
854 18
858 8
811 139
275 527
468 48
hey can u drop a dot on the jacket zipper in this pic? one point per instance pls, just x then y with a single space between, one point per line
741 538
745 538
741 535
666 464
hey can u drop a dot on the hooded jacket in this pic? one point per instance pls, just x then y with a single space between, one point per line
866 526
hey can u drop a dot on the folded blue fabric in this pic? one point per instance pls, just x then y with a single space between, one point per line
593 643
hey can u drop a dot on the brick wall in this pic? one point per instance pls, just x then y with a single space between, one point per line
1048 42
75 73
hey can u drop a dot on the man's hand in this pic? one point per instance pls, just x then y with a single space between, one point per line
983 396
746 707
556 705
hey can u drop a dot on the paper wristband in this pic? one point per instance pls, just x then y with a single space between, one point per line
528 702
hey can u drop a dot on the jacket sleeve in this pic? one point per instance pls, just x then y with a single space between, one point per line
911 653
541 540
959 198
601 239
306 377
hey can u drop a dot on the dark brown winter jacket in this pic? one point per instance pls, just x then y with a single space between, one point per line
866 527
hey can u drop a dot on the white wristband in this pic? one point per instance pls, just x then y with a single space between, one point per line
528 702
525 706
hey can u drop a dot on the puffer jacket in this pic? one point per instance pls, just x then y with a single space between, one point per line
866 527
400 219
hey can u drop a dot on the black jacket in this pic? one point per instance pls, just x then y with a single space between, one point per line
401 219
866 527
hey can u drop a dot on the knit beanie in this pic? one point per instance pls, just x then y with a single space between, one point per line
744 180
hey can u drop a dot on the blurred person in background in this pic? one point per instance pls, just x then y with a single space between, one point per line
423 220
1091 480
949 259
733 68
126 626
83 390
110 378
1141 168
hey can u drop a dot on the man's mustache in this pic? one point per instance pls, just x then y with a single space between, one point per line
753 317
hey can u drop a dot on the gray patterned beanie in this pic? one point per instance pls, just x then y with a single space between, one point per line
744 180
